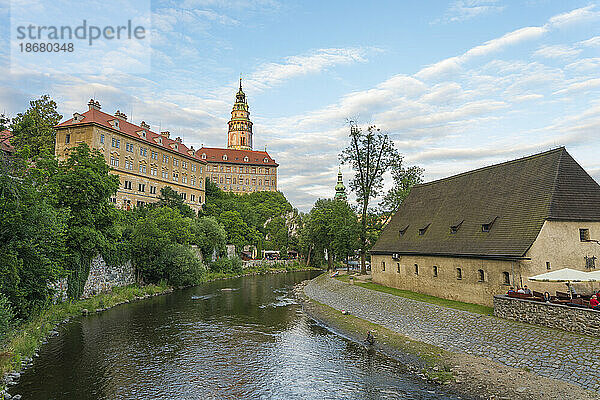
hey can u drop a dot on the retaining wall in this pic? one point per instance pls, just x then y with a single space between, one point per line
573 319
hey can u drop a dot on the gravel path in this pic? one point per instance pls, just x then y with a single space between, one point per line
551 353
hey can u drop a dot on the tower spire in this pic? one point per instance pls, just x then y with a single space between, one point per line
340 189
240 127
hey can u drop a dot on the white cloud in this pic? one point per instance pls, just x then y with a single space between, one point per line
463 10
557 51
575 16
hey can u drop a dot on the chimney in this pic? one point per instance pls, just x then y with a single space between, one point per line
121 115
178 139
165 133
144 125
94 105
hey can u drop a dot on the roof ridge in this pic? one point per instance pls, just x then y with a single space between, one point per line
525 158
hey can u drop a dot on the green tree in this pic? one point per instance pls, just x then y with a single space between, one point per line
371 154
238 232
6 317
170 198
4 122
33 235
209 236
35 127
346 229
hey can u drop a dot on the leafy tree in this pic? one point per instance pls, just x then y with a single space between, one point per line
209 236
4 122
371 154
33 234
6 317
238 232
170 198
345 227
159 247
35 127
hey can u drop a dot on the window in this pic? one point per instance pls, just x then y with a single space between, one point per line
506 278
266 160
154 171
128 164
154 155
454 228
142 169
416 269
193 181
193 167
143 151
481 275
584 235
127 185
68 138
203 156
383 265
141 187
435 271
192 197
548 265
224 157
116 142
152 189
458 273
184 179
590 262
129 147
183 195
486 227
102 138
165 158
176 162
398 267
175 176
114 161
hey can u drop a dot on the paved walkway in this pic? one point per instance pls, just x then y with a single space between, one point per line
556 354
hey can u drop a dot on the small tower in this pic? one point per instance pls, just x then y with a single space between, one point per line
340 189
239 135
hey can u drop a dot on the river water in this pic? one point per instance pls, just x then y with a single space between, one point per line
244 338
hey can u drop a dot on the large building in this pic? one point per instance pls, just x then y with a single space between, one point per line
471 236
145 161
238 168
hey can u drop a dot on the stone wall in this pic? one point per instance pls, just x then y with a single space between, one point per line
103 277
60 290
580 320
253 263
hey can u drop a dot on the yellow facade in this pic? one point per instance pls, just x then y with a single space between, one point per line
242 178
477 280
143 166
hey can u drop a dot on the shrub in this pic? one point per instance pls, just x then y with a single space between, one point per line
6 317
227 265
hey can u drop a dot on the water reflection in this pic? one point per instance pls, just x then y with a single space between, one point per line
251 342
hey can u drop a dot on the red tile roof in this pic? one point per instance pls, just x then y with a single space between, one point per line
127 128
234 156
5 141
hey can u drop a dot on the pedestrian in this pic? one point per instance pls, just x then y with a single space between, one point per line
594 301
511 290
526 290
521 291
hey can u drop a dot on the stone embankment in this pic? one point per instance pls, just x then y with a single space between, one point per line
505 351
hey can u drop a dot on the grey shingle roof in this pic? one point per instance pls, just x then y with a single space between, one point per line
516 197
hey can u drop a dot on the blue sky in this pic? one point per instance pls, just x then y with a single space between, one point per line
456 84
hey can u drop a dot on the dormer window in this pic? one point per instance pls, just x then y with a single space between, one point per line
142 134
423 230
78 117
224 157
403 230
266 160
114 123
455 227
204 156
246 159
487 226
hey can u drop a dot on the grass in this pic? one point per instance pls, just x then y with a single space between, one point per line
433 360
27 337
459 305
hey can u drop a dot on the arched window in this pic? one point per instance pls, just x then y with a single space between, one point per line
416 269
458 273
481 275
506 278
224 157
266 160
204 156
435 271
246 160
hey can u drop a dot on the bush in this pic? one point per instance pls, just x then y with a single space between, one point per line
181 266
227 265
6 317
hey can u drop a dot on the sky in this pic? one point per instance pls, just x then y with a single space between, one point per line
457 85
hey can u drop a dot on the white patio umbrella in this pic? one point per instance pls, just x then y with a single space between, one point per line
565 275
594 275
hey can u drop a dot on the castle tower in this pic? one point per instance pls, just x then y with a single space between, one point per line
340 189
239 135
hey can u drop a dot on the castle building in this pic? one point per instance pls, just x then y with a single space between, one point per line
145 161
239 168
340 189
471 236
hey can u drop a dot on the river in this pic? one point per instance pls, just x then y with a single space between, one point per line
243 338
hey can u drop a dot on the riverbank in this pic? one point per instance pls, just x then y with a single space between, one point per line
472 376
22 344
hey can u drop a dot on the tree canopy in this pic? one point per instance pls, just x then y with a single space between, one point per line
34 128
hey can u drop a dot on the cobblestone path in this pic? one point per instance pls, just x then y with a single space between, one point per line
551 353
